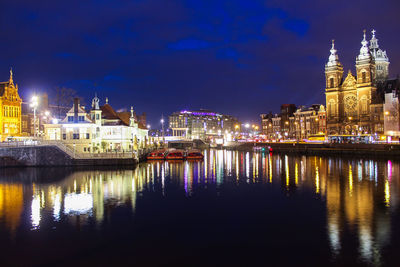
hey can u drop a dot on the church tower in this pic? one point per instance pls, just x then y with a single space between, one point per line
334 77
366 86
381 59
365 65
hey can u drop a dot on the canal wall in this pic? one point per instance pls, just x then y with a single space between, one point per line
359 150
53 156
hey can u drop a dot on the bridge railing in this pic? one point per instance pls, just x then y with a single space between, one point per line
70 151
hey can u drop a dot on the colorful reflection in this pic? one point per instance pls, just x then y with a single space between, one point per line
358 194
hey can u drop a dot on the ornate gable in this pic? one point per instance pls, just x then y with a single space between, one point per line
350 81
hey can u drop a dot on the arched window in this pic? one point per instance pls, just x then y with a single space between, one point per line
364 77
364 105
331 83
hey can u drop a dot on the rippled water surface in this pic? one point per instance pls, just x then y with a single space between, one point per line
233 208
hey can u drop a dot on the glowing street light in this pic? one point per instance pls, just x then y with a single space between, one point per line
34 104
162 123
247 125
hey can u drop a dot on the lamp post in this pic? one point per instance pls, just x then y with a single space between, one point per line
162 123
34 104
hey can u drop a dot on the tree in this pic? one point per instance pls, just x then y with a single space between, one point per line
103 145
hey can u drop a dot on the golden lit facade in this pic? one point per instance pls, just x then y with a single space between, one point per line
10 104
353 104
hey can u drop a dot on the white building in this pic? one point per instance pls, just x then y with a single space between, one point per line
392 108
101 130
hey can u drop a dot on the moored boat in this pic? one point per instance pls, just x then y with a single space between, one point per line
194 154
174 154
156 155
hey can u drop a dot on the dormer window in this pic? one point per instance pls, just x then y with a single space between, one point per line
70 118
81 118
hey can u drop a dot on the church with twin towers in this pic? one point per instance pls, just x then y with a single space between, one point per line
355 103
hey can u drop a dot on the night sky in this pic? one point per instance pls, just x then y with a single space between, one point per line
237 57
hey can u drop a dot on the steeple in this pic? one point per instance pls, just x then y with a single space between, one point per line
333 70
364 51
333 58
373 43
380 57
11 77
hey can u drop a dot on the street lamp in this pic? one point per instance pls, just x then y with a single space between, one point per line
34 104
162 123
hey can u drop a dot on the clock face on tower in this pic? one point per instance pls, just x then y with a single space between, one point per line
350 102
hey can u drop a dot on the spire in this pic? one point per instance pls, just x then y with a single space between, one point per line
11 76
364 51
333 58
106 100
373 42
131 112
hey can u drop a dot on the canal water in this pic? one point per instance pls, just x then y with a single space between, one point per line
233 208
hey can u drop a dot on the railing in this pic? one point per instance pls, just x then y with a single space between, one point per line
72 153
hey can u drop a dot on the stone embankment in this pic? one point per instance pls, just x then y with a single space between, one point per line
51 155
360 150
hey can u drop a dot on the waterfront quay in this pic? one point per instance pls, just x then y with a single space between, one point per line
380 150
47 154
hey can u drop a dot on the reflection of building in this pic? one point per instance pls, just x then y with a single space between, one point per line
10 103
102 130
201 124
354 104
11 205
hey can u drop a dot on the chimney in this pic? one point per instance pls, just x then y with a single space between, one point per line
76 105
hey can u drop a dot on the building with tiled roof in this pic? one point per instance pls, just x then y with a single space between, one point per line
101 130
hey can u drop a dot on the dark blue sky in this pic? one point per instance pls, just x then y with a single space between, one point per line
237 57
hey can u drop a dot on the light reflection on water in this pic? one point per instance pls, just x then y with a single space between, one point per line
359 195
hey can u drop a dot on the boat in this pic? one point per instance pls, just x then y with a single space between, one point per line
194 154
175 154
156 155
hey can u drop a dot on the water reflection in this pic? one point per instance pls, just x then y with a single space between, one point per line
359 195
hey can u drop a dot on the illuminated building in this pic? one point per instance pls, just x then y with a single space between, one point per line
10 103
392 108
201 124
266 124
308 121
355 105
101 130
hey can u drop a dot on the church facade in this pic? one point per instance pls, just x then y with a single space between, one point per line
354 103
